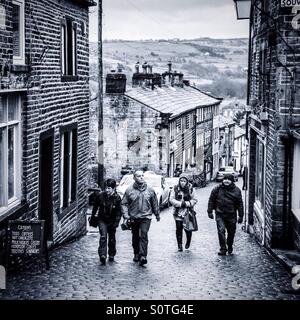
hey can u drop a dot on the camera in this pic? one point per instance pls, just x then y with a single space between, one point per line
127 224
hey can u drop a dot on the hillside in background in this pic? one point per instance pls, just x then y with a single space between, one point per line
217 66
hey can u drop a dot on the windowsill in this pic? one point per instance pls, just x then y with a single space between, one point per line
64 211
296 213
15 210
67 78
20 68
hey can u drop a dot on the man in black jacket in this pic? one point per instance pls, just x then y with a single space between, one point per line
108 206
226 199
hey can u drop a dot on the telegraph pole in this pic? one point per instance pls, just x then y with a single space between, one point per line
100 99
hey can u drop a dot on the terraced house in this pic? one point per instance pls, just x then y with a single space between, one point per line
273 131
44 114
161 123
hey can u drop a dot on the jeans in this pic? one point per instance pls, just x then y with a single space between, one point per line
225 223
179 229
107 232
139 231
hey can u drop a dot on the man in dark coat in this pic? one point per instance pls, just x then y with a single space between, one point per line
138 204
108 206
226 200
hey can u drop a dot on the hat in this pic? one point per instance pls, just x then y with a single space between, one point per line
185 176
228 176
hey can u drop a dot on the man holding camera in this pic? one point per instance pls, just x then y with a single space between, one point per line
138 205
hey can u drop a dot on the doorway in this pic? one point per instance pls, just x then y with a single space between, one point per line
46 181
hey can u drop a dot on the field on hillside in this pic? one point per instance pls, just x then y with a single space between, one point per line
217 66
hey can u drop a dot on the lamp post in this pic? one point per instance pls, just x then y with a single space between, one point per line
243 8
100 100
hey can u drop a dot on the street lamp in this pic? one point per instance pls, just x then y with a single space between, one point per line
243 8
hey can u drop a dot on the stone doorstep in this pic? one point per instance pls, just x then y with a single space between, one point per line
288 258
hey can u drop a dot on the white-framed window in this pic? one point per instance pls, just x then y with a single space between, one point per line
10 151
18 28
296 180
68 165
187 121
178 125
260 173
68 47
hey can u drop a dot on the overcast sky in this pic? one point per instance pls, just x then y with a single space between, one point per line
165 19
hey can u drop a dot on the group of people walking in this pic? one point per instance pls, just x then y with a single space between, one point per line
140 203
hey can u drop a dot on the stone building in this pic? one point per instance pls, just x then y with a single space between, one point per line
274 135
44 114
158 124
226 141
239 149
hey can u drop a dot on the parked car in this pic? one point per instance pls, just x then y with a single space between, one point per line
226 170
157 182
170 183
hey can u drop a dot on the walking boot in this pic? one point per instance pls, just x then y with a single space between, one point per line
103 260
187 245
230 249
180 247
222 252
143 261
136 258
111 258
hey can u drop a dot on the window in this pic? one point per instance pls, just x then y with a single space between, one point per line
68 48
260 169
178 125
18 31
68 165
187 121
296 180
10 151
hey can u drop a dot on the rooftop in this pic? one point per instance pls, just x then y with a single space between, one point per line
225 121
172 100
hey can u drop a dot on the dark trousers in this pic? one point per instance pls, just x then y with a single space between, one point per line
139 231
225 223
179 229
107 234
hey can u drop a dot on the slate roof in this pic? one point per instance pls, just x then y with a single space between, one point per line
225 121
173 100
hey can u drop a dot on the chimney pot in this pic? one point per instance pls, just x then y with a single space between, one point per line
145 66
137 67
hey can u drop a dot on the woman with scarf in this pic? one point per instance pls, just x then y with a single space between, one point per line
182 198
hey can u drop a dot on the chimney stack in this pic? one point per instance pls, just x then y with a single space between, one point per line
115 83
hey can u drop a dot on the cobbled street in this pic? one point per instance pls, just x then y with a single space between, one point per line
197 273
